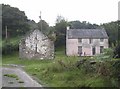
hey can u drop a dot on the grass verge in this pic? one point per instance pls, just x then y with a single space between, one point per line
61 72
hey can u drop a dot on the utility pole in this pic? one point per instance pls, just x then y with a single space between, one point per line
6 35
36 44
40 21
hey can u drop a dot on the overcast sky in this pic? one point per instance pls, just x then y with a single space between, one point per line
93 11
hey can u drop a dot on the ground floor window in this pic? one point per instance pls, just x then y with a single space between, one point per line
101 49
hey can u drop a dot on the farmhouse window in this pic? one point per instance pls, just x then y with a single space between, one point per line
101 40
79 40
90 41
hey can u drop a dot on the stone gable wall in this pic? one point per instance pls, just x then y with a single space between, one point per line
36 46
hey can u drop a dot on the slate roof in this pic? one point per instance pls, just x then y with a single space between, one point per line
86 33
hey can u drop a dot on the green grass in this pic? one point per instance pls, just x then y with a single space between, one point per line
60 72
12 76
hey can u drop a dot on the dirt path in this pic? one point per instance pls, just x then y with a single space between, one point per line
27 81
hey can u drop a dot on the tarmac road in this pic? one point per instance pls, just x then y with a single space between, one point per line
22 75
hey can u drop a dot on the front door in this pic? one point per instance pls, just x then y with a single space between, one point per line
93 50
79 50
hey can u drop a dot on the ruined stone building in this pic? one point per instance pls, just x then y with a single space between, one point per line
85 42
35 45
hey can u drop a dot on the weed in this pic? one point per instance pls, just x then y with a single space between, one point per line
20 81
63 71
11 75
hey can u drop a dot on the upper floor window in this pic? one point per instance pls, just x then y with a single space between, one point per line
101 40
90 41
79 40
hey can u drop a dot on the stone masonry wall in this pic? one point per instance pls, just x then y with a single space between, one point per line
36 46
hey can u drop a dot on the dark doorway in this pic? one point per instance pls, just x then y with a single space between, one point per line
80 50
101 49
93 50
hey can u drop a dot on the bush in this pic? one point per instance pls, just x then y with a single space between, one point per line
117 52
105 56
108 52
15 47
9 48
116 70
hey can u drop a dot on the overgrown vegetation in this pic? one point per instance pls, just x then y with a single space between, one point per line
117 51
64 72
9 46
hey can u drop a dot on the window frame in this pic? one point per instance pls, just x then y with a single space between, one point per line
90 41
80 49
79 40
101 49
101 39
93 50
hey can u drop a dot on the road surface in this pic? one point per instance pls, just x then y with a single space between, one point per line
27 81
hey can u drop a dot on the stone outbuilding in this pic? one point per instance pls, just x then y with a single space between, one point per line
36 45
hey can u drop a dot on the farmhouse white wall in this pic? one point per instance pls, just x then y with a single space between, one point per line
72 46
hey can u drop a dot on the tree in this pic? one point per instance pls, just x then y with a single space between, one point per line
83 25
117 51
33 25
51 33
15 20
60 29
43 27
46 29
59 19
112 31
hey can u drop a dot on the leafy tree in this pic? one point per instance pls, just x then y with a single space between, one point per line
43 26
112 31
117 52
51 33
17 25
83 25
47 30
59 19
33 25
60 29
15 20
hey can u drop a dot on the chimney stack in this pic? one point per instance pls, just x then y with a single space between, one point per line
68 27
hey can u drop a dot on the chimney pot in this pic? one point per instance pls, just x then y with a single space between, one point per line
68 27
